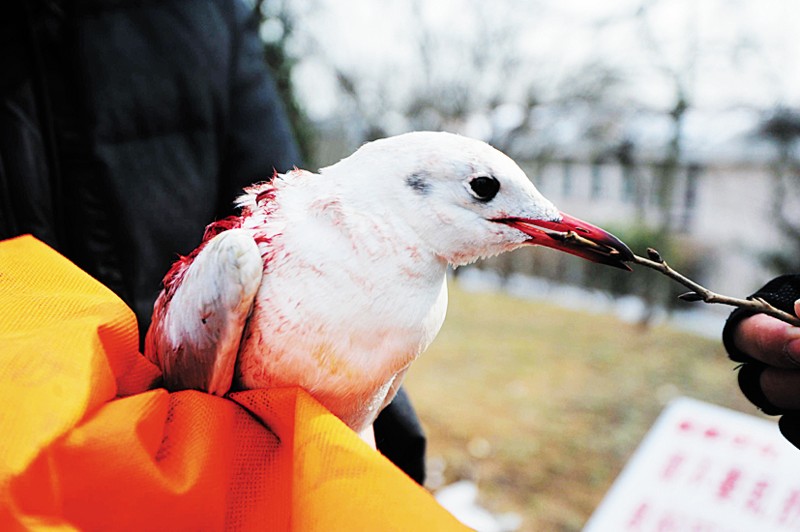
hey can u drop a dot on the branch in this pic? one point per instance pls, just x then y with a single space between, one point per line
700 293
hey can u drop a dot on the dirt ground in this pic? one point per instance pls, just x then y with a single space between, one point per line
543 406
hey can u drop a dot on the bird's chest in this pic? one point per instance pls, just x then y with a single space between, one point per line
360 303
342 316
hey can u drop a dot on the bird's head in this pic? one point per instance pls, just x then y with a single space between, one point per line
466 200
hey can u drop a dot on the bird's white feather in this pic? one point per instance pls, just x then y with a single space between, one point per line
196 337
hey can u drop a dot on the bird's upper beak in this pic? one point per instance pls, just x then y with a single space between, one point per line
575 236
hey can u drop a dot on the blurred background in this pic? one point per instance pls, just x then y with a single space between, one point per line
673 123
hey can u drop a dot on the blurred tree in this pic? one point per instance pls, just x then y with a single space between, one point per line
467 78
782 128
680 72
633 189
277 27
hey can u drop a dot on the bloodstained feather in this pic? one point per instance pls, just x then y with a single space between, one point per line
176 273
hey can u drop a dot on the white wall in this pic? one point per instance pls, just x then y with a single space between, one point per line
731 217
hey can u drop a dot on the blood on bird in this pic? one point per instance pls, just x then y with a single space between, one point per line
264 192
219 226
266 195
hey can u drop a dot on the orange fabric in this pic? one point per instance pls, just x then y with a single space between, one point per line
84 444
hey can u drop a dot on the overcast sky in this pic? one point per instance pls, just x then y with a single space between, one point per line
728 54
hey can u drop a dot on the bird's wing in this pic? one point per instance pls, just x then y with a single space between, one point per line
199 318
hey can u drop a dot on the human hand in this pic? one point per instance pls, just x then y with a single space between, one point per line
776 345
769 376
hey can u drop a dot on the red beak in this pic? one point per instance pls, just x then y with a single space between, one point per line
576 237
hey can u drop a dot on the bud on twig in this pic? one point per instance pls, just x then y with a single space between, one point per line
701 293
654 255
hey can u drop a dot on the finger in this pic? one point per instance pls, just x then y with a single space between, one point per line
749 378
769 340
780 387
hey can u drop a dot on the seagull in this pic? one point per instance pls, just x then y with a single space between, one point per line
336 281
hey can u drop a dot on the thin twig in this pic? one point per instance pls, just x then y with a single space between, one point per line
701 293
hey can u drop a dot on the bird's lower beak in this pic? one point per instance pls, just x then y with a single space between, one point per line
576 237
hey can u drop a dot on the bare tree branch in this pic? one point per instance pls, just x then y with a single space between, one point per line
700 293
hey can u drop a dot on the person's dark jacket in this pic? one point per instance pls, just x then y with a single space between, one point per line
126 126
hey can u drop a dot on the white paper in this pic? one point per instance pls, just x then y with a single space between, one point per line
705 468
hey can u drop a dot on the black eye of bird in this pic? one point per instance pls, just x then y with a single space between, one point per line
484 187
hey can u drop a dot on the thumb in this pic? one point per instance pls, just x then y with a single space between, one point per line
797 308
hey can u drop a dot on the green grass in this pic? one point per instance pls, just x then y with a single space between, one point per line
543 406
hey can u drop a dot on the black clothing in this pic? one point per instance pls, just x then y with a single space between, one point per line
400 437
127 126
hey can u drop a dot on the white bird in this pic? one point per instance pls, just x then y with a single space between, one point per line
336 281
